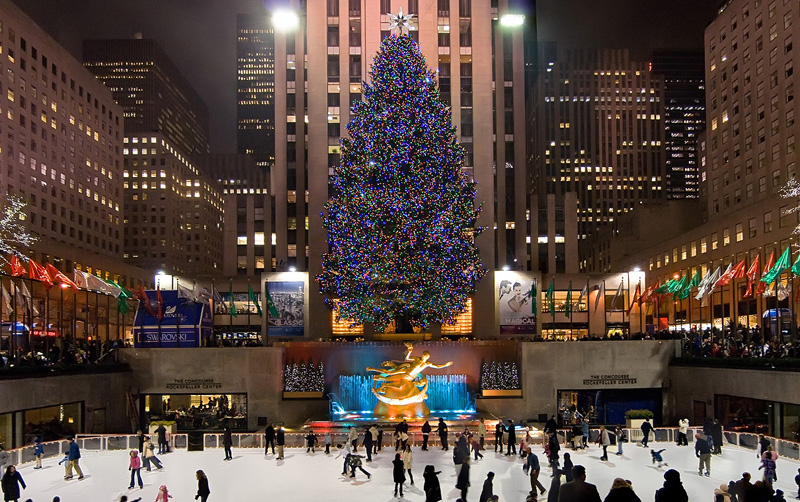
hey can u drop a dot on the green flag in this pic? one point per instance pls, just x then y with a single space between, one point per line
124 291
778 269
695 280
796 266
533 297
270 304
122 305
231 305
568 304
551 303
252 295
679 287
666 287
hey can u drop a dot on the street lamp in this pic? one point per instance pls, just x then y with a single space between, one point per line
512 19
285 20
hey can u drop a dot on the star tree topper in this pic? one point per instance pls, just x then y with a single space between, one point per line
401 22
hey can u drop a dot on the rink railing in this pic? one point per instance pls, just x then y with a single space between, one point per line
117 442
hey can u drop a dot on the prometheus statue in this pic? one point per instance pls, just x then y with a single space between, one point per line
400 386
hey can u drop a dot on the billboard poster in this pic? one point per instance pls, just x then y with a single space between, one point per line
288 300
183 323
516 295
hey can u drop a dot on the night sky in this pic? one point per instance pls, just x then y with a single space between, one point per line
200 35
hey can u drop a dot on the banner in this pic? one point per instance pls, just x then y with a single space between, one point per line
183 323
514 301
288 298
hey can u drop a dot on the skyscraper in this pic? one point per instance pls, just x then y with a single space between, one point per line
481 66
684 118
255 89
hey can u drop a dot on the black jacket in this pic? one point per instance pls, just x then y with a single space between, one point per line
433 492
279 437
426 428
672 492
10 483
202 487
512 434
227 439
398 470
269 433
701 447
488 490
367 437
622 495
463 477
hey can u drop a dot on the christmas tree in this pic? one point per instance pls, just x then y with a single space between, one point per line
402 220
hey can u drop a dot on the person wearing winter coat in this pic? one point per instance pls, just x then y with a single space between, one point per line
352 436
585 433
716 436
38 452
619 433
73 457
227 442
140 437
481 433
763 443
555 486
135 466
280 441
269 439
374 431
202 487
354 462
433 492
10 483
532 468
621 491
442 431
647 428
476 447
578 490
398 473
673 490
567 469
311 441
683 429
150 456
426 430
407 458
498 436
328 442
459 457
768 464
703 452
512 439
604 440
163 494
368 446
488 487
462 482
554 449
163 447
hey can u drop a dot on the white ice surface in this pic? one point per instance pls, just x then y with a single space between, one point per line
251 476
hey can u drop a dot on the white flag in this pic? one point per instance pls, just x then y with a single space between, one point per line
80 279
184 292
6 299
617 295
28 302
584 292
706 286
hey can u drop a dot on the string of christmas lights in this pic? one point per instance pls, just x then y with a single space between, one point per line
304 377
499 376
402 220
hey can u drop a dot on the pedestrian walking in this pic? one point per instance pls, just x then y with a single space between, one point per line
433 492
150 455
269 439
647 427
512 438
442 431
163 494
703 452
487 492
426 430
135 466
11 482
280 439
38 452
73 457
398 473
683 429
673 490
202 487
657 457
227 442
532 468
462 482
407 458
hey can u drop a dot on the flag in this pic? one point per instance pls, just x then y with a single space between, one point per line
160 303
232 306
532 294
600 291
584 292
782 292
252 295
550 297
728 272
648 294
204 294
184 292
666 287
780 267
59 276
762 286
112 288
274 311
27 300
215 295
679 286
751 274
123 291
736 272
796 266
637 295
122 305
80 279
16 266
142 296
568 304
6 299
617 295
39 273
706 286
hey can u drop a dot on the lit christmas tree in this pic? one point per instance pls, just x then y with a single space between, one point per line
402 221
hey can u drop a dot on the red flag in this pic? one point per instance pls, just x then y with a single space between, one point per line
647 296
160 302
16 266
751 274
736 271
142 296
762 286
60 277
636 296
40 274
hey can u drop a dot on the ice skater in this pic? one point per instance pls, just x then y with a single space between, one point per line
462 482
38 452
657 457
227 442
11 482
476 447
328 441
280 440
567 469
433 492
150 456
353 438
398 473
442 431
354 462
426 431
703 452
797 482
135 466
604 440
202 486
163 494
532 468
269 439
73 457
311 442
407 458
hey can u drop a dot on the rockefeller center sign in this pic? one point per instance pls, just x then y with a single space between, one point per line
602 380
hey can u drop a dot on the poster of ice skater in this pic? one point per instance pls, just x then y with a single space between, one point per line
516 295
288 300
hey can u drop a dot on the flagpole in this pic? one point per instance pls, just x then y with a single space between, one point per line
177 313
249 306
13 319
641 317
605 317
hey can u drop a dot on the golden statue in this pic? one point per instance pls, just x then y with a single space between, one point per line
400 386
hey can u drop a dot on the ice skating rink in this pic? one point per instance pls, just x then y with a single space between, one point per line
251 476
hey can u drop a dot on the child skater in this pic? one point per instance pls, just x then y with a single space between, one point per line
658 458
163 494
